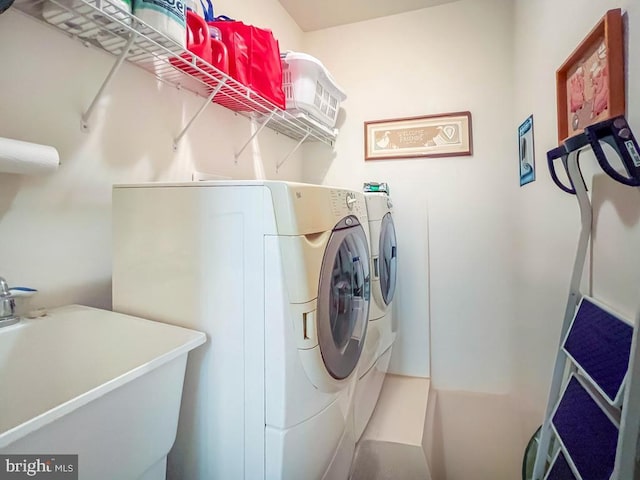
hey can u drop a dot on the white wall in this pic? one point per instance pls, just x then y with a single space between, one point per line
452 214
547 31
55 231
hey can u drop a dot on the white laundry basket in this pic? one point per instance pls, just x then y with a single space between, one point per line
309 88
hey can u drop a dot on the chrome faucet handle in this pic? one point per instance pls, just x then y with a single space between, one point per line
7 305
4 288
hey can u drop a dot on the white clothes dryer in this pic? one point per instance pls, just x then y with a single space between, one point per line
382 331
277 275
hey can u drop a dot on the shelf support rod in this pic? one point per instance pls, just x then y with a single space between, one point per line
292 151
198 113
254 135
116 66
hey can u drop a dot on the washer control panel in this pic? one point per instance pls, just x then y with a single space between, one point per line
345 202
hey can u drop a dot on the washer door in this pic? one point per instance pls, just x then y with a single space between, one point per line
388 258
343 298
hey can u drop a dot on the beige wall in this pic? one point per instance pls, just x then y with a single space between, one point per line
55 231
453 215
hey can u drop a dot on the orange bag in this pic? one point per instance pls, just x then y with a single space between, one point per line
254 59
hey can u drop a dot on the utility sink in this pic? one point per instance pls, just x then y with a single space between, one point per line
95 383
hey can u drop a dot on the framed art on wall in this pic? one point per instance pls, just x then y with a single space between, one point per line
590 84
526 152
443 135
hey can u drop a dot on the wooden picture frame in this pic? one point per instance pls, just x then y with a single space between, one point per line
442 135
590 84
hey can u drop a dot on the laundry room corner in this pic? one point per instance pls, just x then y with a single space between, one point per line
349 287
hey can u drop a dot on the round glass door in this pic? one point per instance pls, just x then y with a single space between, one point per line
388 258
343 298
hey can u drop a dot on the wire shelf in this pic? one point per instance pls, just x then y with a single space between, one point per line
112 29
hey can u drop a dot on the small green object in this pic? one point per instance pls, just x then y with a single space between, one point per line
376 187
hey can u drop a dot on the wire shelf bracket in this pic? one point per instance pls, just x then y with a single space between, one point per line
293 150
253 135
86 116
206 103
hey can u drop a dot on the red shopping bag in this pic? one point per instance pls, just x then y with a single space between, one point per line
254 59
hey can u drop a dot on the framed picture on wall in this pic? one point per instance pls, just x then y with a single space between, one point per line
442 135
526 152
590 84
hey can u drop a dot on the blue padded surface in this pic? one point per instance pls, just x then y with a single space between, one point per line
600 343
560 470
589 437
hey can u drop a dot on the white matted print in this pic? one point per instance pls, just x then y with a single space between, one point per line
443 135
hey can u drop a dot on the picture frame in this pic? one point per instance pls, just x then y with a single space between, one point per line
526 152
590 85
442 135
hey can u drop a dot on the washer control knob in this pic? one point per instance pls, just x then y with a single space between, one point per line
351 200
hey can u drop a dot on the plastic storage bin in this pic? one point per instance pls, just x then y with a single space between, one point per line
309 88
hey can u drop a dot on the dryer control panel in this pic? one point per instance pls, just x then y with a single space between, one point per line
345 202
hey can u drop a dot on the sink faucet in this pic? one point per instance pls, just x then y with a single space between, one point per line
7 305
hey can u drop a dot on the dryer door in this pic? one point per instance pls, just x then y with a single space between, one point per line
343 298
388 258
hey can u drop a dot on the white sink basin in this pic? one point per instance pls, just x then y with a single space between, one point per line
103 385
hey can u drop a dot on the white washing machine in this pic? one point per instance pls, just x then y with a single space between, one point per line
382 330
277 275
